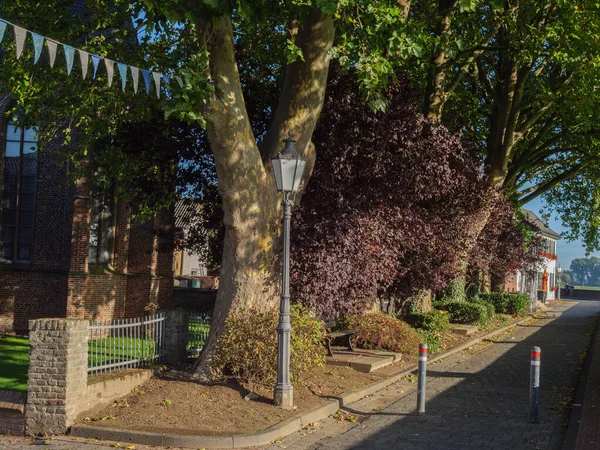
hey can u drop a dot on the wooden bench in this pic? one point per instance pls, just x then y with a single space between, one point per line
331 335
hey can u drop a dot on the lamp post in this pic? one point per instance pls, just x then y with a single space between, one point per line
559 270
288 168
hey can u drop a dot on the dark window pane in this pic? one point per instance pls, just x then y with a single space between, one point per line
9 201
26 218
8 234
9 217
11 168
24 252
25 235
8 251
29 165
27 201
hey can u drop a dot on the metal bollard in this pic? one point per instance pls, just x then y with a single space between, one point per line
534 385
422 378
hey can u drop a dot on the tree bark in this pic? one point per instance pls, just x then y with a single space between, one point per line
250 265
435 95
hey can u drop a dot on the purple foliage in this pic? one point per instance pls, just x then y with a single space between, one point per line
393 201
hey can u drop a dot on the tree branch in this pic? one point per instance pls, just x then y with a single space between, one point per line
542 188
303 91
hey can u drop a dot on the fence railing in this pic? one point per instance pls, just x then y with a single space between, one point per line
198 329
126 343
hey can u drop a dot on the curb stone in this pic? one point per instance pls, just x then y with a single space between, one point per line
276 431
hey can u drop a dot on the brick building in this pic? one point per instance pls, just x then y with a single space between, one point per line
68 249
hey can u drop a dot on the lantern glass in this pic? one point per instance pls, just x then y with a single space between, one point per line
288 171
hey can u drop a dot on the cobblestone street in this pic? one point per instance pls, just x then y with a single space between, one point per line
477 399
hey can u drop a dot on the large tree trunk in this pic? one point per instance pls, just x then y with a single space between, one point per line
250 265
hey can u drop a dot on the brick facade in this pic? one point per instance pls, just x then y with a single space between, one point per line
59 282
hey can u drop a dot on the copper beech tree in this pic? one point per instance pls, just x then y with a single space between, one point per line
390 204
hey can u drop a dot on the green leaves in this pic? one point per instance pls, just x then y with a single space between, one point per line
293 52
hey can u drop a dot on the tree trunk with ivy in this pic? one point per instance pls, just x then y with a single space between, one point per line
250 266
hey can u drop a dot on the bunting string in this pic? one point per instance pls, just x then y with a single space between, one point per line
125 70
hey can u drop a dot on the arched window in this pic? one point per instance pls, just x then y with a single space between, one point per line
18 194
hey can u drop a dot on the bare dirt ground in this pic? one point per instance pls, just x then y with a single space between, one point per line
174 403
171 403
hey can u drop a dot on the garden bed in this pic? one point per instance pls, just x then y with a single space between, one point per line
174 404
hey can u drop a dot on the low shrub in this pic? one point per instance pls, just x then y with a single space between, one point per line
433 339
518 305
508 303
247 349
498 299
491 309
379 331
464 312
434 320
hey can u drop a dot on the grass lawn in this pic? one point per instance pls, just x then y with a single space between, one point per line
14 363
197 334
588 288
117 349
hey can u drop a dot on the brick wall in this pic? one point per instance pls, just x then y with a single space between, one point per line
98 296
26 295
58 282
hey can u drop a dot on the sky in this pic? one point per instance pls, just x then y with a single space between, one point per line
566 251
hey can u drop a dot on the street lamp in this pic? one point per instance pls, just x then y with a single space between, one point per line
288 168
559 269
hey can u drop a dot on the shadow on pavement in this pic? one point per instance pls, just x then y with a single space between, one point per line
483 400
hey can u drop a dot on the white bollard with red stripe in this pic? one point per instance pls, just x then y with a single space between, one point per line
422 378
534 385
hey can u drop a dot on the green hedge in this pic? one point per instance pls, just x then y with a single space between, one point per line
491 309
435 320
464 312
508 303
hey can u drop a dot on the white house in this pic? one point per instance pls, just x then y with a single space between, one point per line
536 287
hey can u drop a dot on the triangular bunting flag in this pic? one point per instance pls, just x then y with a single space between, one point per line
84 57
20 35
156 77
69 57
52 47
110 70
95 60
179 81
38 43
2 29
166 79
135 74
146 76
123 72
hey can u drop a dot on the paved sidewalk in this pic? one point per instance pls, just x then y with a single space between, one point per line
477 399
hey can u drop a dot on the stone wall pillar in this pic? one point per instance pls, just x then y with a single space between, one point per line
57 374
176 335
